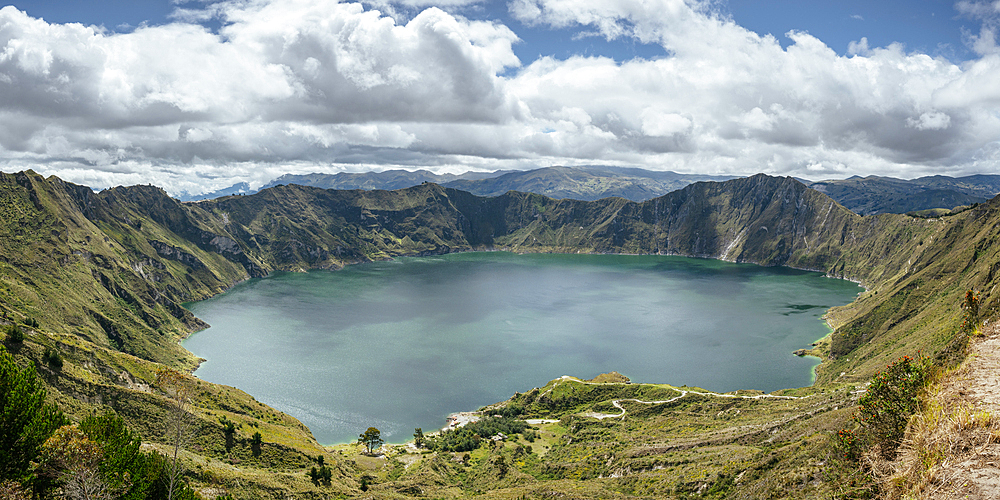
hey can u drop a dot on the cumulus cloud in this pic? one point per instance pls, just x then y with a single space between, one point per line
988 13
931 120
299 86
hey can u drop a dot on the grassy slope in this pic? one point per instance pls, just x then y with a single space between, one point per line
104 274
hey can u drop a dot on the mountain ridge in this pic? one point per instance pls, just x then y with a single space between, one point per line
105 273
863 195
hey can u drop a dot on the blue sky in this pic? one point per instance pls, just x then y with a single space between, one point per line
929 26
196 95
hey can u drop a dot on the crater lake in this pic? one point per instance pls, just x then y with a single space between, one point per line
401 344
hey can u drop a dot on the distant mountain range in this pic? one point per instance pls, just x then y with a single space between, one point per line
862 195
585 183
874 195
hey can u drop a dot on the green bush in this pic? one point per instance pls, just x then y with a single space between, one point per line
970 321
15 334
886 407
256 441
53 358
229 431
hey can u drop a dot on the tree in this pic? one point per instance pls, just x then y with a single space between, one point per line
123 466
372 439
179 428
15 334
255 443
53 358
70 458
324 474
25 420
229 430
418 437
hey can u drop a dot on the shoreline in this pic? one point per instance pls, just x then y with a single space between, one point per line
460 418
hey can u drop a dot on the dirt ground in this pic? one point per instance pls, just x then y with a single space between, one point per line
973 470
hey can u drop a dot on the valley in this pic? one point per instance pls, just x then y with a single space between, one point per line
105 274
411 340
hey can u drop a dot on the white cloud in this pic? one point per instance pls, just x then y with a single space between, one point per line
859 48
988 13
302 85
659 124
931 120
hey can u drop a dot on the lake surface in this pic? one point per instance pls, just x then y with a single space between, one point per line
401 344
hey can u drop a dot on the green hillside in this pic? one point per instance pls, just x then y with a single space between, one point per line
104 275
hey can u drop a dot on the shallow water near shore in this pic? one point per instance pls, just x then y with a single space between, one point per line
401 344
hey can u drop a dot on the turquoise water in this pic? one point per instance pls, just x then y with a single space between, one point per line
401 344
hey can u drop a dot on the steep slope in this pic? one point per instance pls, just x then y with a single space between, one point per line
105 274
147 252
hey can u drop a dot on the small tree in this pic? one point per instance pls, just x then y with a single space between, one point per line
418 437
53 358
371 438
25 420
255 442
15 334
229 430
179 428
72 459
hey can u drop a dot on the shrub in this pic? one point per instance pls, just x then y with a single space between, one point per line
846 444
229 431
53 358
970 323
15 334
255 443
892 397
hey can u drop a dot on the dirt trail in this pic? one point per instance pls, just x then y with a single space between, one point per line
683 392
973 471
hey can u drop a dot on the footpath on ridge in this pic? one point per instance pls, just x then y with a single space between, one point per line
971 468
683 392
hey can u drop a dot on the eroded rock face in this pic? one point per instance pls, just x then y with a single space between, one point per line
175 253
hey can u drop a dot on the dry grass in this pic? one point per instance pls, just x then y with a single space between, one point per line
950 433
936 436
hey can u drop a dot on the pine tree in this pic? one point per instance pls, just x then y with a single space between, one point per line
25 420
